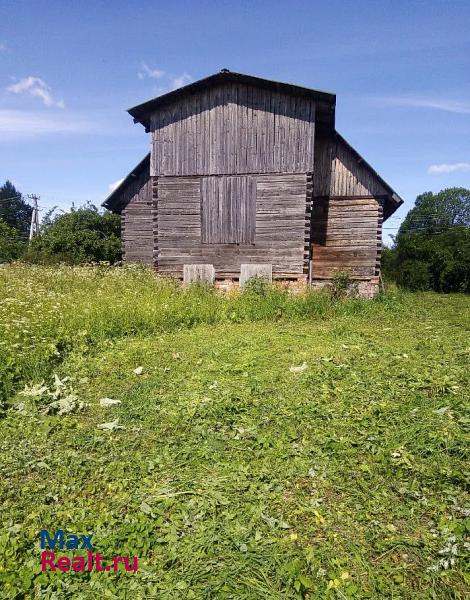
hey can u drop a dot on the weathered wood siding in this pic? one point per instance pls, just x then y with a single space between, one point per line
346 236
137 222
339 172
234 129
228 209
346 213
281 204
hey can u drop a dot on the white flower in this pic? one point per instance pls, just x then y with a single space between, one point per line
298 369
111 426
108 402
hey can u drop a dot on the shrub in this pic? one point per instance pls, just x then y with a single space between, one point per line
342 285
439 261
81 236
257 286
414 275
12 243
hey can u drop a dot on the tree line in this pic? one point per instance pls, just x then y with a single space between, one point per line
431 250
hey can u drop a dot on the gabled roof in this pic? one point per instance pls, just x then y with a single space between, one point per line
393 200
326 101
113 201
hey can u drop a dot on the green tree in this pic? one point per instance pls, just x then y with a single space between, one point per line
80 236
437 212
432 248
14 211
12 243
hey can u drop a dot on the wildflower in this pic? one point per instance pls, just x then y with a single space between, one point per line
108 402
299 368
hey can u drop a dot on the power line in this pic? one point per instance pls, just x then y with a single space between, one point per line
11 198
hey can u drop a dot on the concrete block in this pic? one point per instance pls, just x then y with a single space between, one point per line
199 273
262 270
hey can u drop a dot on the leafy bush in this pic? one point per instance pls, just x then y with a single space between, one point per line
414 275
12 244
388 264
342 285
81 236
439 262
257 286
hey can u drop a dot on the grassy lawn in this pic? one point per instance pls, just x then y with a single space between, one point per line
268 447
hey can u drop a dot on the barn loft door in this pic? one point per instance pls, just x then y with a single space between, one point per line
228 210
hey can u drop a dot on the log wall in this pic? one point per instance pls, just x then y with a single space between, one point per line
137 222
238 176
346 213
346 236
281 207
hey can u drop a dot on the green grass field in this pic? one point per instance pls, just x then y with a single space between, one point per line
267 447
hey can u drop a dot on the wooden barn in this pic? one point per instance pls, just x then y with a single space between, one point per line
244 174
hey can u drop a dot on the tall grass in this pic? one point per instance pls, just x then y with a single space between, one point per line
46 312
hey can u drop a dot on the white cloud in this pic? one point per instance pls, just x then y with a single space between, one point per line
146 71
168 82
180 80
449 168
3 47
16 124
37 87
443 104
116 184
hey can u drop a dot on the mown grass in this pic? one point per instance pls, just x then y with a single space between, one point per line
234 476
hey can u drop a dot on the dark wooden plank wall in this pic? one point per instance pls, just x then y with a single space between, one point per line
280 227
234 129
137 222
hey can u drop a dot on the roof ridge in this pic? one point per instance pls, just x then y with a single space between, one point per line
141 111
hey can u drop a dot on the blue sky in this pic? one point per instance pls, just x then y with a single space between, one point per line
68 71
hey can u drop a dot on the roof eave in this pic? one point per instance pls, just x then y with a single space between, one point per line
111 201
394 200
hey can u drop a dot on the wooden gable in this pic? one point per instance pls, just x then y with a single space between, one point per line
233 129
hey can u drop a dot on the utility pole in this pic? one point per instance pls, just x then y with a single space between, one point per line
34 227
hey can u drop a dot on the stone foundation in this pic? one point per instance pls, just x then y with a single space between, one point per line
363 288
295 286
